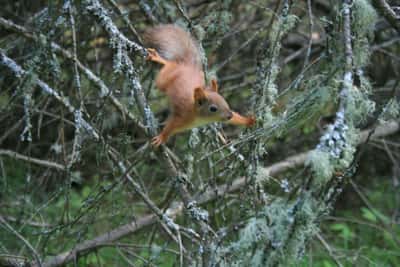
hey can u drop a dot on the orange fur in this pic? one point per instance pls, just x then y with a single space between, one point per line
181 78
238 119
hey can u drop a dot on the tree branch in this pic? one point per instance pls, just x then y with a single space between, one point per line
104 90
45 163
385 9
120 164
124 230
8 227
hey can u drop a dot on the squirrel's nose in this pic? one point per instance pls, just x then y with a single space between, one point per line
229 115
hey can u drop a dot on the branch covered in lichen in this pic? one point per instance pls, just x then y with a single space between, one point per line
388 12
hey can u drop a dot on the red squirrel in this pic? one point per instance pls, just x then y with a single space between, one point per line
181 78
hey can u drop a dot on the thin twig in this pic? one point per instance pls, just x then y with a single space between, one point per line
126 19
310 37
8 227
45 163
329 249
211 194
104 90
19 73
373 210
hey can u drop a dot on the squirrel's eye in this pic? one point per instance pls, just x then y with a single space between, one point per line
213 108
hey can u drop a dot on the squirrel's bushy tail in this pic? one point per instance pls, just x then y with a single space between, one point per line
173 43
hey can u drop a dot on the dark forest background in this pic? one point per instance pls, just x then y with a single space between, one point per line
314 183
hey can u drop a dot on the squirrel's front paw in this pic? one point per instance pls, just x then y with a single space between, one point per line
152 54
158 140
251 121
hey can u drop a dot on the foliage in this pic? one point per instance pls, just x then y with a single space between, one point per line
80 184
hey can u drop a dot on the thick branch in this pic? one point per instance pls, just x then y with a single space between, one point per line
89 245
95 7
388 13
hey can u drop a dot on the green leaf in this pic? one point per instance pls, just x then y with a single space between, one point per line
345 231
327 263
86 191
368 214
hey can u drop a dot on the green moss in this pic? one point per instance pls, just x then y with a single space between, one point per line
269 68
391 111
321 166
352 136
358 106
305 228
308 105
282 26
218 22
363 25
364 18
276 236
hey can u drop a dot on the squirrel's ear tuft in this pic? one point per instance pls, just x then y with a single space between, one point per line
199 95
214 85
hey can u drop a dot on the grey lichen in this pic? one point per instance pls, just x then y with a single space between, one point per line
359 106
335 150
321 165
391 111
197 213
276 237
363 25
268 67
308 105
